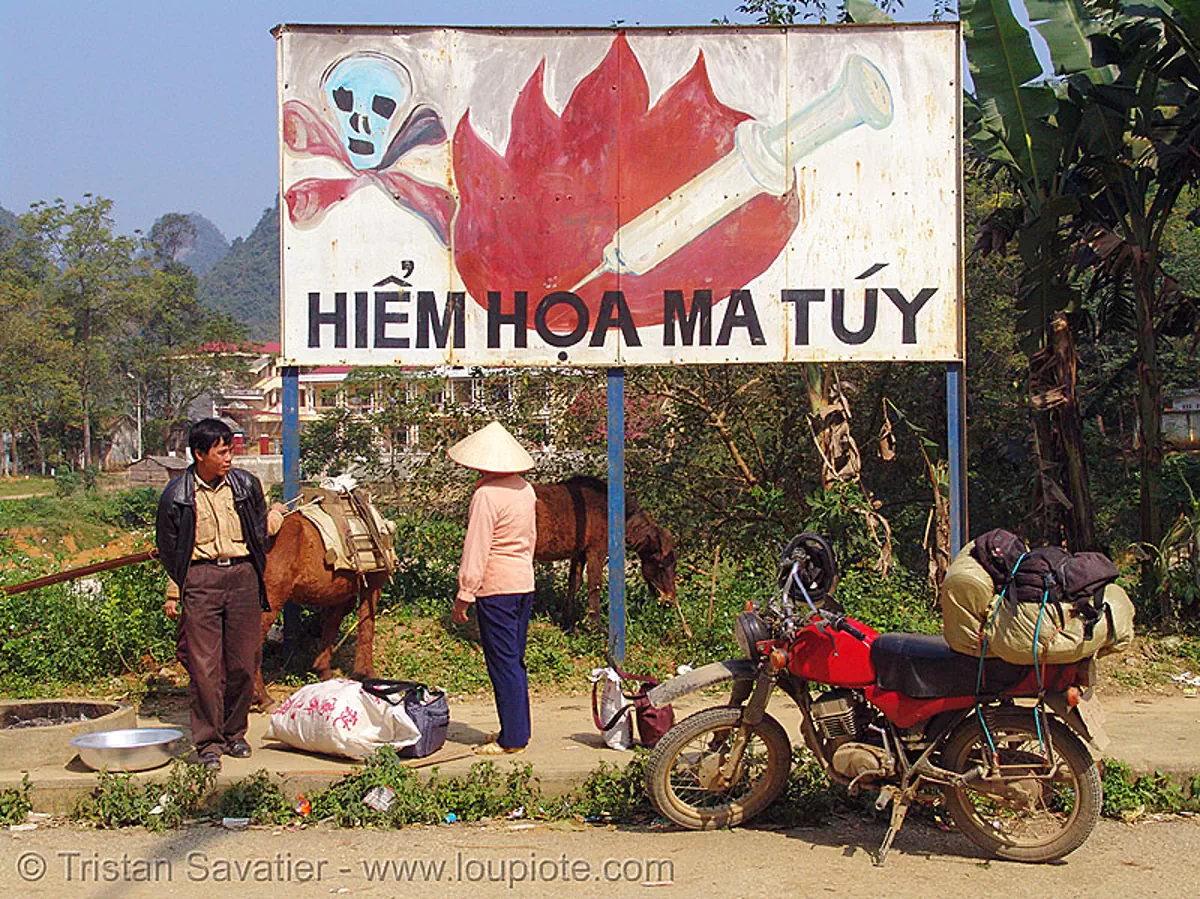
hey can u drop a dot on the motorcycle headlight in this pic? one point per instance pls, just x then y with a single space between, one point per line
750 629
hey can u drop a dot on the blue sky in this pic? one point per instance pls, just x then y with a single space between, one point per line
170 106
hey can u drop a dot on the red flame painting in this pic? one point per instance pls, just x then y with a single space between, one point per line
538 218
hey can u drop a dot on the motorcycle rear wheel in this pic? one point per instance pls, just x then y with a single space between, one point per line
688 755
1063 811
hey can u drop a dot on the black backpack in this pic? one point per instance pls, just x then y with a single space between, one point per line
1075 580
1048 573
1084 578
1037 576
997 551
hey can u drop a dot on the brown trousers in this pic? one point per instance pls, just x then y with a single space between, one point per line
222 626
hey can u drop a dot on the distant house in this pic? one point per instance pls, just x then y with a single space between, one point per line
155 471
1181 421
252 404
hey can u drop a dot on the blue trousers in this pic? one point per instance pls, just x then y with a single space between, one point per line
503 628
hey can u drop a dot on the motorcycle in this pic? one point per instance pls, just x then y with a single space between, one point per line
902 714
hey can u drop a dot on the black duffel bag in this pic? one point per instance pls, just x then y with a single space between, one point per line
426 706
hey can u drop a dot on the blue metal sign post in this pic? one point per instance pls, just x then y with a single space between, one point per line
291 473
616 513
956 431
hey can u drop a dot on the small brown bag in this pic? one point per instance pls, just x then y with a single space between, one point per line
652 723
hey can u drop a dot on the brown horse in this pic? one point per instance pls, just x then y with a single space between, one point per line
296 570
572 523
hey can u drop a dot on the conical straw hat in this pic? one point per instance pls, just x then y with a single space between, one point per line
492 449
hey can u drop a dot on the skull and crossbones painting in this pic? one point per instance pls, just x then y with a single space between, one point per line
368 98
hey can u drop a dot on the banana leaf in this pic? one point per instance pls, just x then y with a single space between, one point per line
867 13
1002 62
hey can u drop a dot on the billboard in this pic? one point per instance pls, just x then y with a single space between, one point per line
619 197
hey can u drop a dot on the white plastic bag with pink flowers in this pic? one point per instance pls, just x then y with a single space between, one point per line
336 717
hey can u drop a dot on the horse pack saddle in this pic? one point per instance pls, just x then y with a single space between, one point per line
356 536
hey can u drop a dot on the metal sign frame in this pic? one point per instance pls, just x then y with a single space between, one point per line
616 335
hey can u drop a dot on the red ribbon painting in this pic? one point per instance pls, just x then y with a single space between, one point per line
538 217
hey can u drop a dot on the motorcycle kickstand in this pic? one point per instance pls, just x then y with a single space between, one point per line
900 803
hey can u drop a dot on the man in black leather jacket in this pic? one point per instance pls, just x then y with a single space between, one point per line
212 531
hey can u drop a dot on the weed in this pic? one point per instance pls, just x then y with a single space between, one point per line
258 798
900 602
611 793
483 792
66 634
1128 797
66 480
480 793
121 801
808 799
131 509
15 804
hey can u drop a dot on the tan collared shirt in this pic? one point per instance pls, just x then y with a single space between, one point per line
501 533
218 528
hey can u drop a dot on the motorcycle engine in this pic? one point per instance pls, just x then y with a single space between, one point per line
842 717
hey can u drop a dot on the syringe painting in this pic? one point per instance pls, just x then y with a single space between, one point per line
538 218
368 100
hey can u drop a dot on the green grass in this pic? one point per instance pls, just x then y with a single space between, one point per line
1128 796
22 486
54 523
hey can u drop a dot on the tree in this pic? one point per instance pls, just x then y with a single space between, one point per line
170 344
171 237
36 381
88 272
1019 123
1140 146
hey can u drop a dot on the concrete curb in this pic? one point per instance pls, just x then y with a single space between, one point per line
1154 733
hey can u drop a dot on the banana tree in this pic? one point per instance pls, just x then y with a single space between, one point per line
1140 146
1020 123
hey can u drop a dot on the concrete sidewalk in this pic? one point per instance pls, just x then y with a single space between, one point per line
1148 733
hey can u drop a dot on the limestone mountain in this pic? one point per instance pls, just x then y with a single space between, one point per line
245 282
209 247
8 220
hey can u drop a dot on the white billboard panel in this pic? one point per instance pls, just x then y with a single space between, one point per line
600 197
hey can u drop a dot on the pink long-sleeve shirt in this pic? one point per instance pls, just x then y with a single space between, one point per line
497 553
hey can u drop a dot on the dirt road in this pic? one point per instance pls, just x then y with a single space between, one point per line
1149 859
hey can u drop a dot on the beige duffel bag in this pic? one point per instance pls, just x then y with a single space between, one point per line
1062 637
968 604
967 596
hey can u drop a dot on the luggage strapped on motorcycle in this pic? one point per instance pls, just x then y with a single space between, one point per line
983 652
1079 578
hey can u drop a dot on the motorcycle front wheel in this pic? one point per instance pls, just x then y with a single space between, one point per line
685 776
1039 820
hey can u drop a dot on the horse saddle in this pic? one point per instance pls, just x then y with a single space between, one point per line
356 536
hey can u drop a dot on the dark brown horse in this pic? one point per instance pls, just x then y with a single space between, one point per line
572 523
296 570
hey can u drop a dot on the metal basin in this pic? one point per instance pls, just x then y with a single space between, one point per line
131 749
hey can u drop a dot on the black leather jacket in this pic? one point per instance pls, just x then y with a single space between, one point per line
175 532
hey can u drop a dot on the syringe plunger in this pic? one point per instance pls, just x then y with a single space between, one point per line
761 162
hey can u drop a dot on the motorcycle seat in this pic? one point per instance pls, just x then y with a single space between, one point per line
925 667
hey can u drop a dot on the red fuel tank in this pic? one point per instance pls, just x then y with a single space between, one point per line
833 657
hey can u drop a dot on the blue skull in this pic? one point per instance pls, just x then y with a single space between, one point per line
367 93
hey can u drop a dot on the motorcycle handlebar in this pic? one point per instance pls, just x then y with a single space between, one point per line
852 630
839 623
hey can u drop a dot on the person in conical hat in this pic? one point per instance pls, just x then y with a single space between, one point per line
496 573
492 449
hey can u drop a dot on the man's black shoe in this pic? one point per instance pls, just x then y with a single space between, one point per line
238 749
211 761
